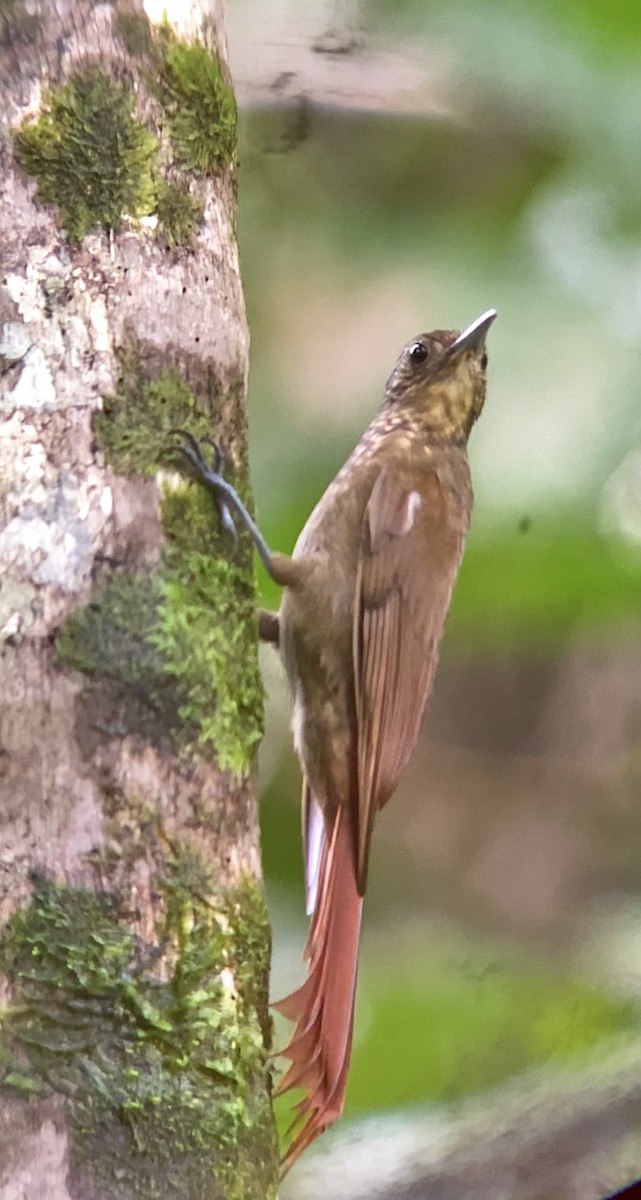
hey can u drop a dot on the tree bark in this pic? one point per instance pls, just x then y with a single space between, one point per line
134 951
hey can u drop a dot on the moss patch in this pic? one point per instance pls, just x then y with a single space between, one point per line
191 85
110 641
176 654
90 155
173 657
199 105
206 636
179 214
164 1071
133 428
96 161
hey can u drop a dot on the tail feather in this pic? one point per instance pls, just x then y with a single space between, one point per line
323 1007
290 1006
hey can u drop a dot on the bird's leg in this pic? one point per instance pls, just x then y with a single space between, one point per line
269 627
282 569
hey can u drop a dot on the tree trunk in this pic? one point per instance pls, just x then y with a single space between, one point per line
135 947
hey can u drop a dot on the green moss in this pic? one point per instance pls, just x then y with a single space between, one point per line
163 1067
179 214
110 641
252 941
173 656
199 105
190 84
133 428
89 154
176 653
206 635
206 630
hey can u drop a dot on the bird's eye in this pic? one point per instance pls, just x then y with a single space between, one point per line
484 362
418 353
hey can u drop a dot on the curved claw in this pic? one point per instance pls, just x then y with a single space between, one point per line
191 448
226 520
228 501
219 454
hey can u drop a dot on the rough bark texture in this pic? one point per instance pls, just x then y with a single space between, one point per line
134 947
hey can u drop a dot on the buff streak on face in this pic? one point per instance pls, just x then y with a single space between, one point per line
367 591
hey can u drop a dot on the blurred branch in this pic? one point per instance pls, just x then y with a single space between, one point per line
288 53
574 1135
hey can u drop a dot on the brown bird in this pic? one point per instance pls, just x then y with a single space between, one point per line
367 591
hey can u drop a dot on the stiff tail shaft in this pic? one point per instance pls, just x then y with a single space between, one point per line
323 1008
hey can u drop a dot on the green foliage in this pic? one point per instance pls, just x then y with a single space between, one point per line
606 23
199 105
179 214
609 25
89 154
162 1078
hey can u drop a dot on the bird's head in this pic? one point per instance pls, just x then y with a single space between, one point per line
440 377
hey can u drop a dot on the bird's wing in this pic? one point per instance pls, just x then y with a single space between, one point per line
410 553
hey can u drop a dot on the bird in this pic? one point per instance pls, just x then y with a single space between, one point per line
366 594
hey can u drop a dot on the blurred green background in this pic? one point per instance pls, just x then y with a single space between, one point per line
501 923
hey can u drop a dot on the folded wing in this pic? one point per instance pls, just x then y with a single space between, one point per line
411 550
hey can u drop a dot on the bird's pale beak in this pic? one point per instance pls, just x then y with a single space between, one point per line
475 333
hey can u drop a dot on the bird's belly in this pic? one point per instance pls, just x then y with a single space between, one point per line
316 645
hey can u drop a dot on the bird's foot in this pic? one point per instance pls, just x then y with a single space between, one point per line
211 475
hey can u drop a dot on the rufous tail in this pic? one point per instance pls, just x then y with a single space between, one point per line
323 1008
